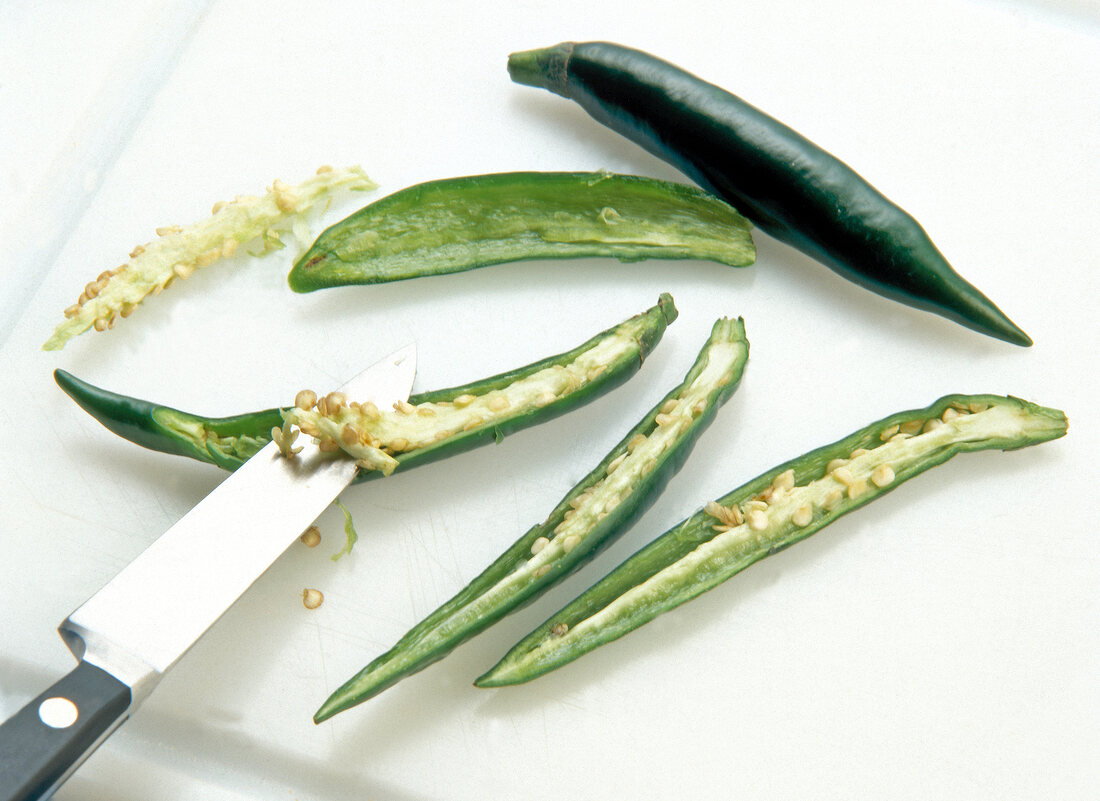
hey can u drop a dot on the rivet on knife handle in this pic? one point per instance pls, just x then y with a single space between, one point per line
50 736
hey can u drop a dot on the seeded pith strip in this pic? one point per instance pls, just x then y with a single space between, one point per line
372 435
179 252
770 513
591 515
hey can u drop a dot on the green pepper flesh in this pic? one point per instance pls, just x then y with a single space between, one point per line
706 550
463 223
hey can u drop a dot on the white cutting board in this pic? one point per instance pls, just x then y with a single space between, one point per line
939 644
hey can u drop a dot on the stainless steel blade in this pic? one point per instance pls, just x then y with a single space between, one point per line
146 618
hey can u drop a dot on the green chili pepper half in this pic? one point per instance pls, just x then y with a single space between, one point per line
461 223
432 424
784 183
596 511
770 513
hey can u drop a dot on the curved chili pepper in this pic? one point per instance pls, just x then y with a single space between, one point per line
460 224
782 182
593 368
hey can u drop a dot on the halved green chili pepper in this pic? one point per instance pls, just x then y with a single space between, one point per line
603 505
770 513
784 183
458 224
433 424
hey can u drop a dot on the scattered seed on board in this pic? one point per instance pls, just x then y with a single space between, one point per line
311 537
311 599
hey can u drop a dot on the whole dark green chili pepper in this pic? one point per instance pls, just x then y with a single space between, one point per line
773 511
459 224
591 515
782 182
484 411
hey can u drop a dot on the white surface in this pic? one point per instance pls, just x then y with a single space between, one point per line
940 643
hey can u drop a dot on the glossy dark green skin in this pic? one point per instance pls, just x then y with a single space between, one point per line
782 182
145 423
366 684
458 224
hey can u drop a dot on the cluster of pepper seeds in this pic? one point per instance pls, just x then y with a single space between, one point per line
374 436
849 478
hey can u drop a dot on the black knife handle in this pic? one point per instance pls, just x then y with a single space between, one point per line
38 749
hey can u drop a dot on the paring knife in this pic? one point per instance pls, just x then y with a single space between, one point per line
136 627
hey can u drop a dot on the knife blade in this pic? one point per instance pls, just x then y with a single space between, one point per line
135 628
